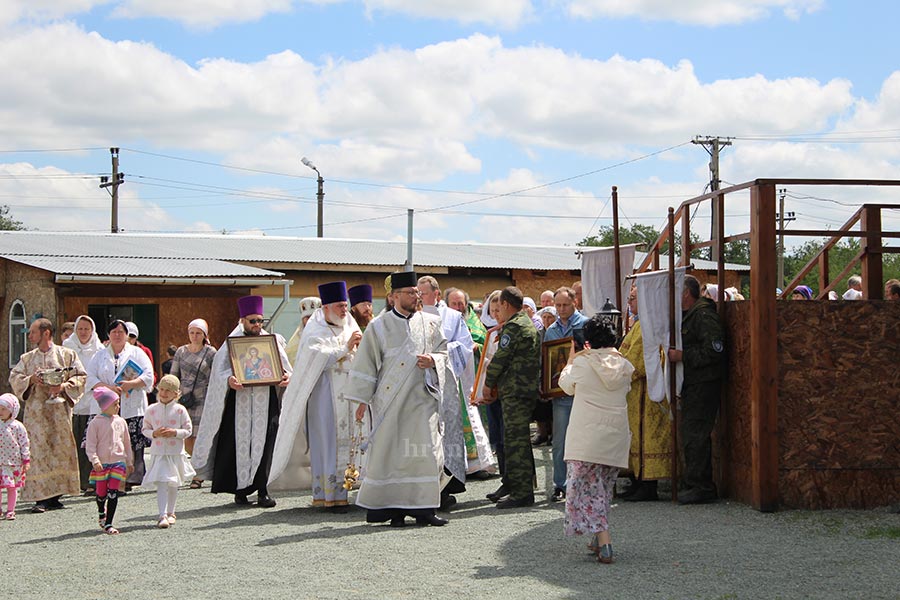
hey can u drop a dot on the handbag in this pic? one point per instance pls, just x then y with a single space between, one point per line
189 400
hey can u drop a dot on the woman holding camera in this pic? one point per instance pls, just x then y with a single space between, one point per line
191 365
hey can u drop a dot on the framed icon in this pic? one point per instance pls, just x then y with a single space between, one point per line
554 356
255 359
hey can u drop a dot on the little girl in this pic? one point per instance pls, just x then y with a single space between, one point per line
14 454
167 424
108 447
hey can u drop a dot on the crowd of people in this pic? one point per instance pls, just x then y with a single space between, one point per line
404 407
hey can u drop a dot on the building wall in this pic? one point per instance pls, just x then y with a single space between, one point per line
35 288
838 405
175 313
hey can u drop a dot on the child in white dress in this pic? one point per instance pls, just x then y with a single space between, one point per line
14 452
167 424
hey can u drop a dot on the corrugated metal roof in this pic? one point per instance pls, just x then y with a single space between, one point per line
140 267
272 249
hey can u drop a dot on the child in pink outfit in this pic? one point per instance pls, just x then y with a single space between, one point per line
167 424
108 447
14 452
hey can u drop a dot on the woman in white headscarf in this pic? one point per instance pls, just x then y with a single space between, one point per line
86 343
307 307
192 364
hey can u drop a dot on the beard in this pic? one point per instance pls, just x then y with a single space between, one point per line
334 319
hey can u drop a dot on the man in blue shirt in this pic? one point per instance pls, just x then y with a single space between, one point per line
569 323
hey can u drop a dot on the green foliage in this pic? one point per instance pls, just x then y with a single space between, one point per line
838 258
7 223
645 235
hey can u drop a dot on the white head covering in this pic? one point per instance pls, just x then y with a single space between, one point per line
85 351
529 302
201 325
308 306
486 317
132 329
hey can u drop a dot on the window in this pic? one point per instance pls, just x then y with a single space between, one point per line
18 332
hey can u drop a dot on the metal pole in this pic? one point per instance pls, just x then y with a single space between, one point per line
114 227
320 199
781 238
409 239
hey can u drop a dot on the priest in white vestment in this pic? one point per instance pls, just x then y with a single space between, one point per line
237 434
399 372
317 421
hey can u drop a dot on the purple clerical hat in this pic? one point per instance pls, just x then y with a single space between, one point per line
336 291
250 305
360 293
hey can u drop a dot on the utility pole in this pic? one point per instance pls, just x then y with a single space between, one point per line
409 240
114 181
782 218
713 145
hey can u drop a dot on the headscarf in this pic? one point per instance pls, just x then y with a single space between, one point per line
10 402
200 324
85 351
486 317
804 291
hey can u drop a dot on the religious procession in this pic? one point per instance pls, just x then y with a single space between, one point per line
392 413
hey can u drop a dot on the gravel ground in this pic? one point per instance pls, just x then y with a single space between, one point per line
217 549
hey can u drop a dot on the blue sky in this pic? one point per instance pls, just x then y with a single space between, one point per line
427 104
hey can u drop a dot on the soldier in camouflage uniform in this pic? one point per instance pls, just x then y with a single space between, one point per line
704 358
515 371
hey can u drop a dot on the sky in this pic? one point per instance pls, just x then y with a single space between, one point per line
496 121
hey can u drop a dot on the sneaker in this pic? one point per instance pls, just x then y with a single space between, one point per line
163 522
559 495
171 518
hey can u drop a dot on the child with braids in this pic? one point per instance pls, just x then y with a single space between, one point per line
108 447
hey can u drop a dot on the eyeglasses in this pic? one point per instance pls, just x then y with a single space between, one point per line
410 292
255 321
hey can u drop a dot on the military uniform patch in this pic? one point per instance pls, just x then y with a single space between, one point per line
504 340
718 346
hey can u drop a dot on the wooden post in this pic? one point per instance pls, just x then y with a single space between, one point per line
824 270
763 350
617 254
685 236
673 404
872 266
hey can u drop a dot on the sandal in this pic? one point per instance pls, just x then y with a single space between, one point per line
196 484
163 522
102 521
594 546
110 530
171 518
605 554
38 508
11 516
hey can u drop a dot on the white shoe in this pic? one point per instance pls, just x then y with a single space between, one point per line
163 522
171 518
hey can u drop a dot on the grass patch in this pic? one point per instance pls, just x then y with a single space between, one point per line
882 533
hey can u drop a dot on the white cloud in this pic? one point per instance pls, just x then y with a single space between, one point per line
203 13
396 115
52 199
15 11
693 12
504 13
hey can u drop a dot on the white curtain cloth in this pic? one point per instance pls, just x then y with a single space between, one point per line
653 311
598 276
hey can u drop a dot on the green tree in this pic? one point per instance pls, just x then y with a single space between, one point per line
838 258
7 223
645 235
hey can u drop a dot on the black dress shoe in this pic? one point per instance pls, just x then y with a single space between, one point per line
497 495
433 520
265 502
516 502
696 496
646 493
338 509
481 475
241 499
559 495
398 522
447 503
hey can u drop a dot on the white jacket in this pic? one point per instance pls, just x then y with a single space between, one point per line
598 426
